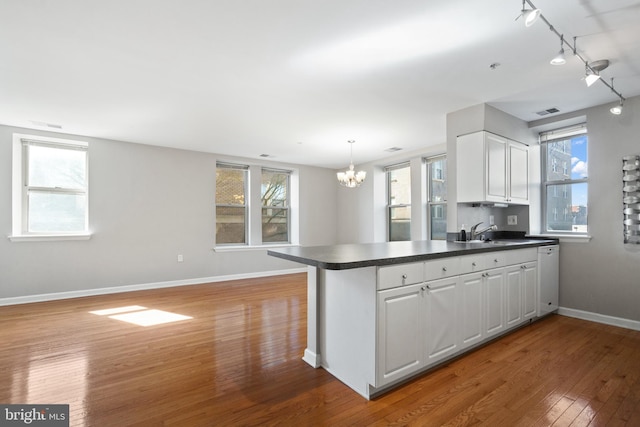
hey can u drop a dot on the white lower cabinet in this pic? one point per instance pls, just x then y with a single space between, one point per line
494 305
514 278
400 332
521 290
441 310
471 312
425 323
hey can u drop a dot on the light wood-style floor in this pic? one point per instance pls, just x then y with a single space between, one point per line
238 362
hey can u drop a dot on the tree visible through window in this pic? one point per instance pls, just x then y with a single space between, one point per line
231 207
275 206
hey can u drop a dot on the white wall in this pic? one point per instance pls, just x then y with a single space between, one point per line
147 205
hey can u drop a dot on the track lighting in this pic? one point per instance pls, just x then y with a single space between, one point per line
530 16
559 59
591 77
617 110
592 69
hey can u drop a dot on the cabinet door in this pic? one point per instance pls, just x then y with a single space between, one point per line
513 277
400 332
494 302
529 290
470 309
518 173
496 167
441 319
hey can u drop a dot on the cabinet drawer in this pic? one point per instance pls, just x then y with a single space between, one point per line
441 268
400 275
520 256
495 259
472 263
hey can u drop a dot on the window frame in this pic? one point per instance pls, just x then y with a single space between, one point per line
245 205
391 206
561 134
21 188
286 207
253 202
429 161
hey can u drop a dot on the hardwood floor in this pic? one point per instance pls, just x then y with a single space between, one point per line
237 361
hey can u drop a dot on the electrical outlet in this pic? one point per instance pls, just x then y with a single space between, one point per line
491 220
512 219
180 258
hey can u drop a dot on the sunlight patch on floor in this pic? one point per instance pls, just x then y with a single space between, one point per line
118 310
141 316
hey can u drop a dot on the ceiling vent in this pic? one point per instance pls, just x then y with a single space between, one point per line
393 149
548 111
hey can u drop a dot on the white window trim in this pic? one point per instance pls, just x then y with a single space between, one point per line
254 233
550 136
18 181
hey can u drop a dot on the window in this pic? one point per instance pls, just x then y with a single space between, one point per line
50 187
275 206
565 190
231 204
253 206
437 197
399 202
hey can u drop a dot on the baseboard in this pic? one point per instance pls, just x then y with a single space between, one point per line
600 318
141 287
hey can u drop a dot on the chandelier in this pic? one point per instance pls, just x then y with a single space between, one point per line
351 178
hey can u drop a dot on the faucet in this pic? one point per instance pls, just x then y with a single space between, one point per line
475 234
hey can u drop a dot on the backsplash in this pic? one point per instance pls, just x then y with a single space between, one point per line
470 215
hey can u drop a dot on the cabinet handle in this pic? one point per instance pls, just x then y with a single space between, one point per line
444 269
495 260
473 264
404 277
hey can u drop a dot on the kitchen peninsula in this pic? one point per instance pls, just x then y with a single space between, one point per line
381 313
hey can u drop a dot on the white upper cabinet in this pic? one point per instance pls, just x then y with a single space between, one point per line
491 168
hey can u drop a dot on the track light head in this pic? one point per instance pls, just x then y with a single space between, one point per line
617 110
559 59
530 16
591 78
593 71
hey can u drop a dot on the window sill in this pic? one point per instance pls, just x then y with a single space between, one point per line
48 237
252 247
564 238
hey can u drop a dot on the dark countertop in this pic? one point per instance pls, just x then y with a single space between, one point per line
343 257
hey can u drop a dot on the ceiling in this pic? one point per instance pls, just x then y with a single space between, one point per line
296 79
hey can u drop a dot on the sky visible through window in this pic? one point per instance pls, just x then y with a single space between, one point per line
579 169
